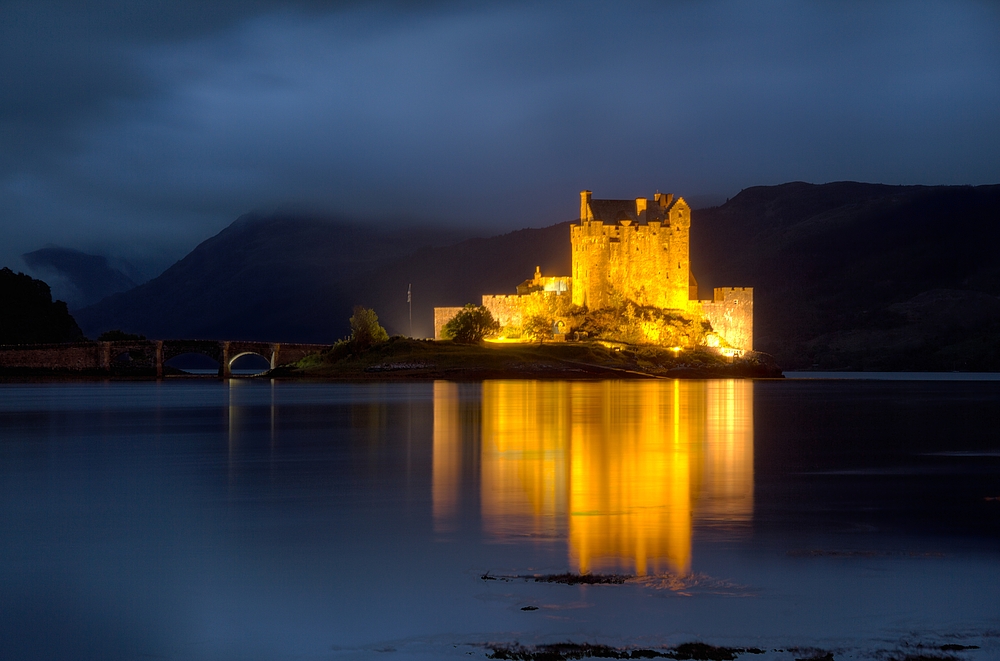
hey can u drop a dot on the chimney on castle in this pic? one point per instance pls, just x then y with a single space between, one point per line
640 208
664 199
585 212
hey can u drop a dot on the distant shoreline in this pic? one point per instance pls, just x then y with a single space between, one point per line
405 359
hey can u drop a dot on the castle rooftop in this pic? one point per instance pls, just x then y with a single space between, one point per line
638 211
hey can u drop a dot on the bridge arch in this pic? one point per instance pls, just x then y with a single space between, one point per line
267 357
128 357
193 362
210 348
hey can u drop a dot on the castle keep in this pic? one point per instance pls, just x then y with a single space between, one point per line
628 252
631 250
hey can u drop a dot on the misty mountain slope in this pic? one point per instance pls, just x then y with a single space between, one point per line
832 264
76 277
263 277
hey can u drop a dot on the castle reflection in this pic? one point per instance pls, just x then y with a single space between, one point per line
622 470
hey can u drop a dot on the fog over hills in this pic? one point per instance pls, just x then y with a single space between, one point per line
846 275
78 278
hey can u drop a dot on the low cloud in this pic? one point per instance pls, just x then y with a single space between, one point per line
141 132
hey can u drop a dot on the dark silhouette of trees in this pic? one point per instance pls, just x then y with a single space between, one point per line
365 329
471 325
29 315
119 336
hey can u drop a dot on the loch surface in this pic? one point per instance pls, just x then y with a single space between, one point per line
250 519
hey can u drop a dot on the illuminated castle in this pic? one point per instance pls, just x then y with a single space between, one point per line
625 251
630 250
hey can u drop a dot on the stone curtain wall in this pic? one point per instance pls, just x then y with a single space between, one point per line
731 315
512 310
509 310
441 317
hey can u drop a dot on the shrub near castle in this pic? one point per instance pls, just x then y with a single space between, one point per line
471 325
636 324
366 333
537 327
365 329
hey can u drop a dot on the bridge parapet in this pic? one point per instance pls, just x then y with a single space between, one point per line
73 357
130 356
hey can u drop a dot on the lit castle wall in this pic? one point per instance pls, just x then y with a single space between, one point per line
629 251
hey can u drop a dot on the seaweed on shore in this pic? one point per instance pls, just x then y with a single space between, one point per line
581 579
564 651
819 656
934 656
704 652
565 578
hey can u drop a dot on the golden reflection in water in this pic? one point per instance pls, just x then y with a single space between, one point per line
524 475
446 469
630 493
622 469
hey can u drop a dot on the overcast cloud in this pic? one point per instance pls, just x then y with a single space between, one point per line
139 129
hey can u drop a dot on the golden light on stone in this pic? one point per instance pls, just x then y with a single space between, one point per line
624 471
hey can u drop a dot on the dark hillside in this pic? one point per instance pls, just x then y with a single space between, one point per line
297 278
264 277
28 314
861 276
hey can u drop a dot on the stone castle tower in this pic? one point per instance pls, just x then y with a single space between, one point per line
631 250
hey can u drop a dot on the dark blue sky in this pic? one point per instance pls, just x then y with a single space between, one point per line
139 129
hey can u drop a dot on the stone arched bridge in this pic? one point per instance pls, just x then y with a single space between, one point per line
147 356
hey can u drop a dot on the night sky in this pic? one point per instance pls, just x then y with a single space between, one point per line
138 129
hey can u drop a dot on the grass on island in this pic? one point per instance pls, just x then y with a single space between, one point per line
402 357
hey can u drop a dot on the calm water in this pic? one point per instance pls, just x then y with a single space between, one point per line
194 519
